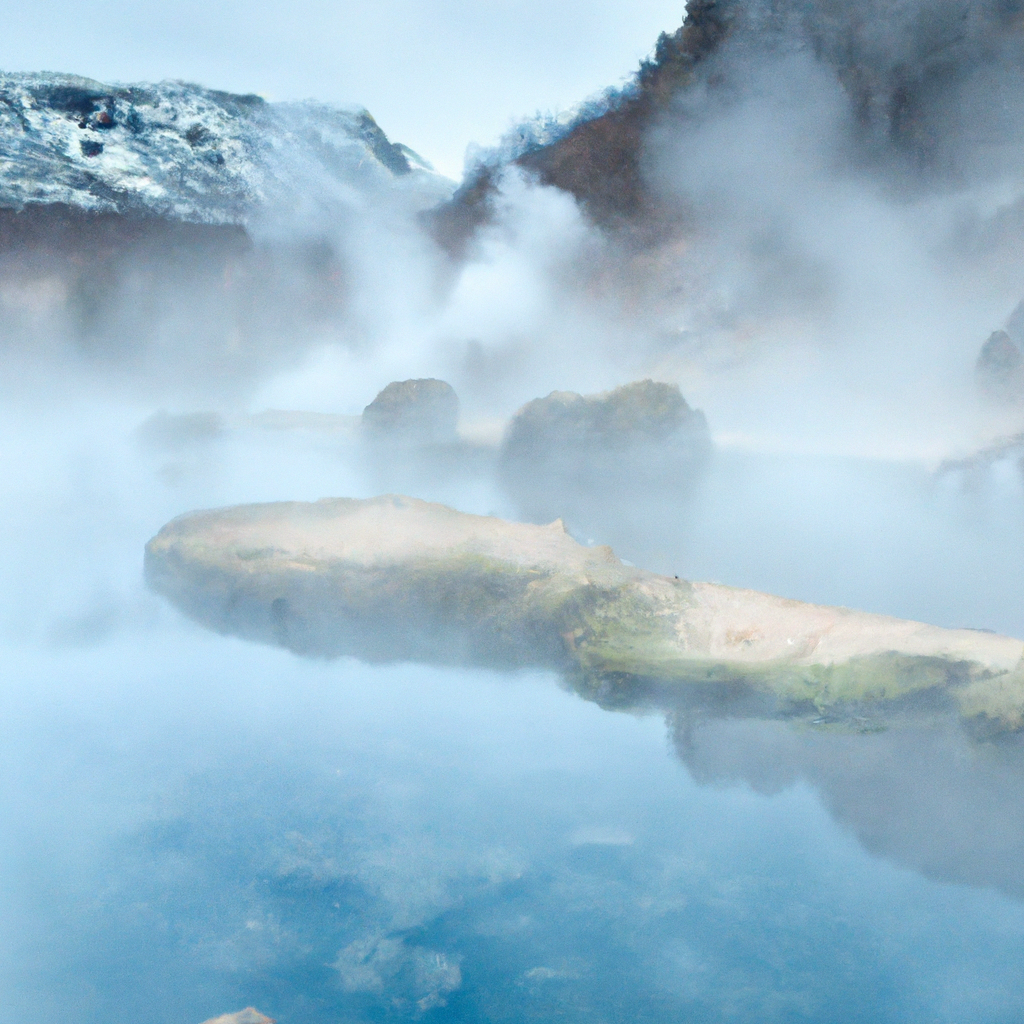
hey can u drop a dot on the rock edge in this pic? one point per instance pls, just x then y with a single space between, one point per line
394 578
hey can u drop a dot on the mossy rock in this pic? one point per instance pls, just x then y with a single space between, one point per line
395 578
413 412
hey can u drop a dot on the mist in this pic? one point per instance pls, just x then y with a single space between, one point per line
440 77
200 823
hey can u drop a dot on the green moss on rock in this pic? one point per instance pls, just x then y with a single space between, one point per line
394 578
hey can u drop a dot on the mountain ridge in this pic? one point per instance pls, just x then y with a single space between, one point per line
185 152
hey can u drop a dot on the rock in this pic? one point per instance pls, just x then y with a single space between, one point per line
247 1016
410 438
1000 369
598 155
394 578
643 412
568 454
413 413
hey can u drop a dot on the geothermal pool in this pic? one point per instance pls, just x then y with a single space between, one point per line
193 824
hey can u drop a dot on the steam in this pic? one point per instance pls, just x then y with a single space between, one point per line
820 293
849 294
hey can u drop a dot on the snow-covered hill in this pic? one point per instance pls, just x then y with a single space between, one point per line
188 153
186 241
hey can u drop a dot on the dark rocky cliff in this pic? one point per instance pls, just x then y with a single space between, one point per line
933 92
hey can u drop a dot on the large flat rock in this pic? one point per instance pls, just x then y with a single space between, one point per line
396 578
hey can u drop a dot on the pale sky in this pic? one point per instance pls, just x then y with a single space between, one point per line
436 75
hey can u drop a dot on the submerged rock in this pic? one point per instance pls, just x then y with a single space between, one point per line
569 455
395 578
413 413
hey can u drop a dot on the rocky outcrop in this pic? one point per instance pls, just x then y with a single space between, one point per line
394 578
568 454
922 83
139 225
412 413
597 156
1000 369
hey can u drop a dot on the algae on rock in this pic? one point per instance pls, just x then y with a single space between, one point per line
395 578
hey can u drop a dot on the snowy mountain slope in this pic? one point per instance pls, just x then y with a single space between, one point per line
184 241
187 153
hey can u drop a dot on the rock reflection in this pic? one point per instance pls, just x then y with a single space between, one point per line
925 795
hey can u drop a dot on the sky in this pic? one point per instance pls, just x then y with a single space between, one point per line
436 75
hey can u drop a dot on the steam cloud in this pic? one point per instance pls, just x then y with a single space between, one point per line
839 201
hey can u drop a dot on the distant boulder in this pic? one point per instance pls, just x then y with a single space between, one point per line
413 413
1000 369
568 454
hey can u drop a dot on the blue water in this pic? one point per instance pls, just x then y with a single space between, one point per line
193 824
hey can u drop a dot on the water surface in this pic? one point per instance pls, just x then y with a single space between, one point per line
194 824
